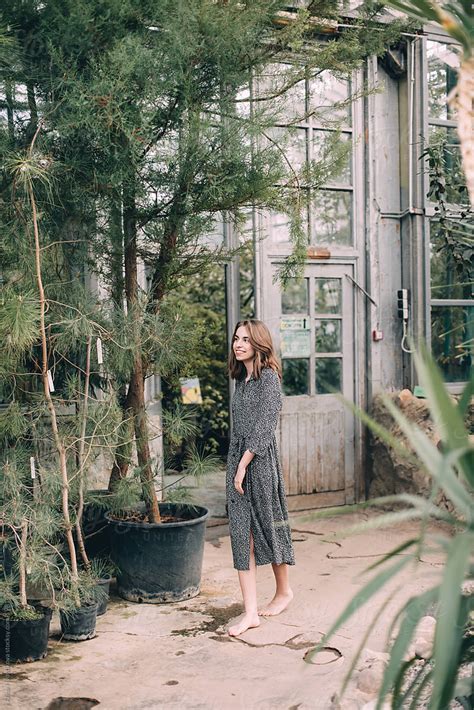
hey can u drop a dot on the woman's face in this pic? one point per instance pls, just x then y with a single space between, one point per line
243 350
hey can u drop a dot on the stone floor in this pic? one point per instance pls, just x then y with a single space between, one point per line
179 656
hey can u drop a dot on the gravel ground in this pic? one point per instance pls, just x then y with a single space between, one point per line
423 701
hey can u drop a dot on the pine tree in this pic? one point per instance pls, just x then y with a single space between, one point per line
147 121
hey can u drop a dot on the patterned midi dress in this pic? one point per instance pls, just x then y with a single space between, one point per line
255 408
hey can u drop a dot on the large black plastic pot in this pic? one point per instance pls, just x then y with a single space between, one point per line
79 625
94 526
160 562
102 589
23 640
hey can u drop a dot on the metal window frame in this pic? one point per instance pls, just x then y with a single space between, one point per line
434 36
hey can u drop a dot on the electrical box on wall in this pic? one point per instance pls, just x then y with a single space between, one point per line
377 334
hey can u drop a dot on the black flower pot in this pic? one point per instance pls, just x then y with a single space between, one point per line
24 640
95 528
79 624
160 562
102 589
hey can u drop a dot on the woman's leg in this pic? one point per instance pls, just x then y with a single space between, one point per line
283 593
248 585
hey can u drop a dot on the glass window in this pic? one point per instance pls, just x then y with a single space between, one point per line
452 340
451 263
448 141
293 143
328 95
295 377
332 212
327 142
294 299
443 65
328 295
451 275
328 375
289 103
281 227
328 336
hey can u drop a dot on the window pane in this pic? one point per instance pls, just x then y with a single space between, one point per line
326 93
295 377
292 142
280 227
328 295
294 299
332 217
328 336
452 340
448 141
328 374
326 143
289 103
452 276
443 64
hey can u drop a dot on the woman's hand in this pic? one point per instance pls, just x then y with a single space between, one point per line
239 479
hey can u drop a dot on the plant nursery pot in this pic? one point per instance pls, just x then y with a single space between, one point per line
79 625
95 528
103 589
24 640
160 562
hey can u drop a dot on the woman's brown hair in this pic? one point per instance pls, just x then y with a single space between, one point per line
261 341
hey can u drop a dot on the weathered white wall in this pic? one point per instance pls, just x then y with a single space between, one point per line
383 253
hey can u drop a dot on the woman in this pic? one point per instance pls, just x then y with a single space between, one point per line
258 518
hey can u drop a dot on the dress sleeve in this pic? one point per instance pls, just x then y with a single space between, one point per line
267 413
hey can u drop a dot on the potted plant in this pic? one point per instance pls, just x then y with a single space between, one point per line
26 523
78 607
160 561
49 344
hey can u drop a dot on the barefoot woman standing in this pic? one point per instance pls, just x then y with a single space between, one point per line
258 516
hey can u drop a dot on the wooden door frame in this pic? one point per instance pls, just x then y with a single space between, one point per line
357 490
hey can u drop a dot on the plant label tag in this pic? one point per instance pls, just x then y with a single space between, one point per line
50 381
100 354
32 467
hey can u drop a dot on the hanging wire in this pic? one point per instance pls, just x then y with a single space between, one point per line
405 332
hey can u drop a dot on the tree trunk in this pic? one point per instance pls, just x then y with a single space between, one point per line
22 563
462 99
60 448
123 450
81 460
136 390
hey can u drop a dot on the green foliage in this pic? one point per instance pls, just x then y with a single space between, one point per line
127 494
18 613
198 465
206 359
452 471
19 321
179 424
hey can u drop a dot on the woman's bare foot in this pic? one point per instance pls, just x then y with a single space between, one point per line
248 621
277 604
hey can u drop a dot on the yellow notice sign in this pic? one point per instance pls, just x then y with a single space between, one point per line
191 390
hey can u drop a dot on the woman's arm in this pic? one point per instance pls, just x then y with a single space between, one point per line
266 420
242 470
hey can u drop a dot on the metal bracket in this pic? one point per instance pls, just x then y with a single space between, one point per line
362 289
